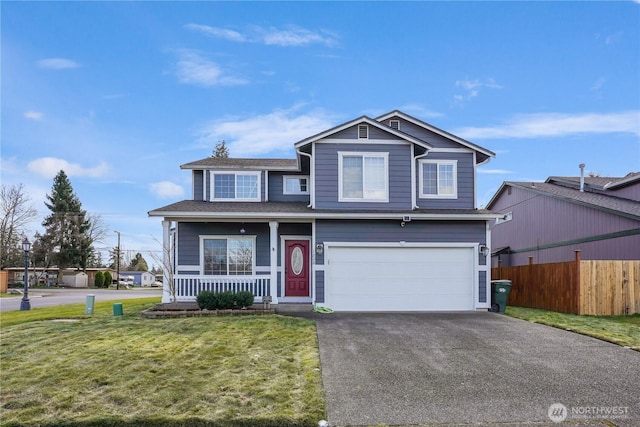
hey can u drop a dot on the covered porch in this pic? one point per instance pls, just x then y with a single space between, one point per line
267 258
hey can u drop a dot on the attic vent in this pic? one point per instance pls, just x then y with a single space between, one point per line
363 132
395 124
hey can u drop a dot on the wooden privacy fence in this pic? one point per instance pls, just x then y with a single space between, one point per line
603 288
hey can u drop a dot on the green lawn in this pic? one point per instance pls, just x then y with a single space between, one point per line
622 330
102 370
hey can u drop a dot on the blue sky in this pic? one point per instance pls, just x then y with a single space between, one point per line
120 94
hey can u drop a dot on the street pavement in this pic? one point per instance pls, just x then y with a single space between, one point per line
474 368
59 296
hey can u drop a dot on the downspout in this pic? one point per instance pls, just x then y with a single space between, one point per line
414 177
581 166
312 178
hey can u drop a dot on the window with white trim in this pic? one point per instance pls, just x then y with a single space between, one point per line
238 186
394 124
228 256
438 179
295 184
363 177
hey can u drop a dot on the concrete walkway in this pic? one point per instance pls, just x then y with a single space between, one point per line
471 368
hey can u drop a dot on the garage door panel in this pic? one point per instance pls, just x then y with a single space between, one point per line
399 279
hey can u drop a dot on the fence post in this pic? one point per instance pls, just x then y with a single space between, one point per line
499 268
577 283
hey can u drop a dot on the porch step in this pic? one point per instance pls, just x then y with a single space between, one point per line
292 307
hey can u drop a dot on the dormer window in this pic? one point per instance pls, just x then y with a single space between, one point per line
236 186
394 124
363 132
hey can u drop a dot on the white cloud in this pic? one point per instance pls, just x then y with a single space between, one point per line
48 167
419 111
275 132
217 32
289 36
557 125
296 36
57 63
598 84
193 68
33 115
166 189
472 88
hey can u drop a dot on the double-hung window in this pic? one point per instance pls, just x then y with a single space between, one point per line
228 255
363 177
239 186
438 179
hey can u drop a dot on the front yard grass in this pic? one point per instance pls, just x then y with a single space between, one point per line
621 330
106 371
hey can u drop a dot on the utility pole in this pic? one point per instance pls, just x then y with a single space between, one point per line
118 263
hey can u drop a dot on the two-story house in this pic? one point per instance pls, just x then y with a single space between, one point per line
372 215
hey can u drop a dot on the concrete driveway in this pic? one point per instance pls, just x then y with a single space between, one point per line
471 368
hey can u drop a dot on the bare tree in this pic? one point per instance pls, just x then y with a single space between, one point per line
16 211
166 262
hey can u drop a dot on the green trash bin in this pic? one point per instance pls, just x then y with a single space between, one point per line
117 309
499 292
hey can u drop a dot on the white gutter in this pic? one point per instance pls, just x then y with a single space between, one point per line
312 177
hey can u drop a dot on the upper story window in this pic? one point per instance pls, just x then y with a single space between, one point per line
363 177
439 179
395 124
295 184
238 186
228 255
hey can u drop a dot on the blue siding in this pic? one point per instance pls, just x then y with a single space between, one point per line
433 139
276 192
390 231
482 286
319 286
466 187
197 184
326 163
352 133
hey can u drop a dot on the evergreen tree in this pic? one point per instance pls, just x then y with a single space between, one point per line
138 263
66 236
221 151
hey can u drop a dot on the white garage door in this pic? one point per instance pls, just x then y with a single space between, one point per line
399 279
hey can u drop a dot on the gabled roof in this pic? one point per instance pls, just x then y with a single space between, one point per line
250 164
611 204
362 120
443 133
598 182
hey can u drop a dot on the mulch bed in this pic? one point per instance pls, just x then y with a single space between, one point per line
187 309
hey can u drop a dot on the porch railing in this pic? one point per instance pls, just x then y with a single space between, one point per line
188 287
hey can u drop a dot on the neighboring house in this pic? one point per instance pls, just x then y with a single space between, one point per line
549 221
372 215
49 276
138 278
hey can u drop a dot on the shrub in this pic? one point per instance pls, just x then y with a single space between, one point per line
99 279
227 299
208 300
108 279
244 299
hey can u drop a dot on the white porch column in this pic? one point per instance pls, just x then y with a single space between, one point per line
167 262
273 248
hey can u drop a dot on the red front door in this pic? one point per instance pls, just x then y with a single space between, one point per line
296 268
